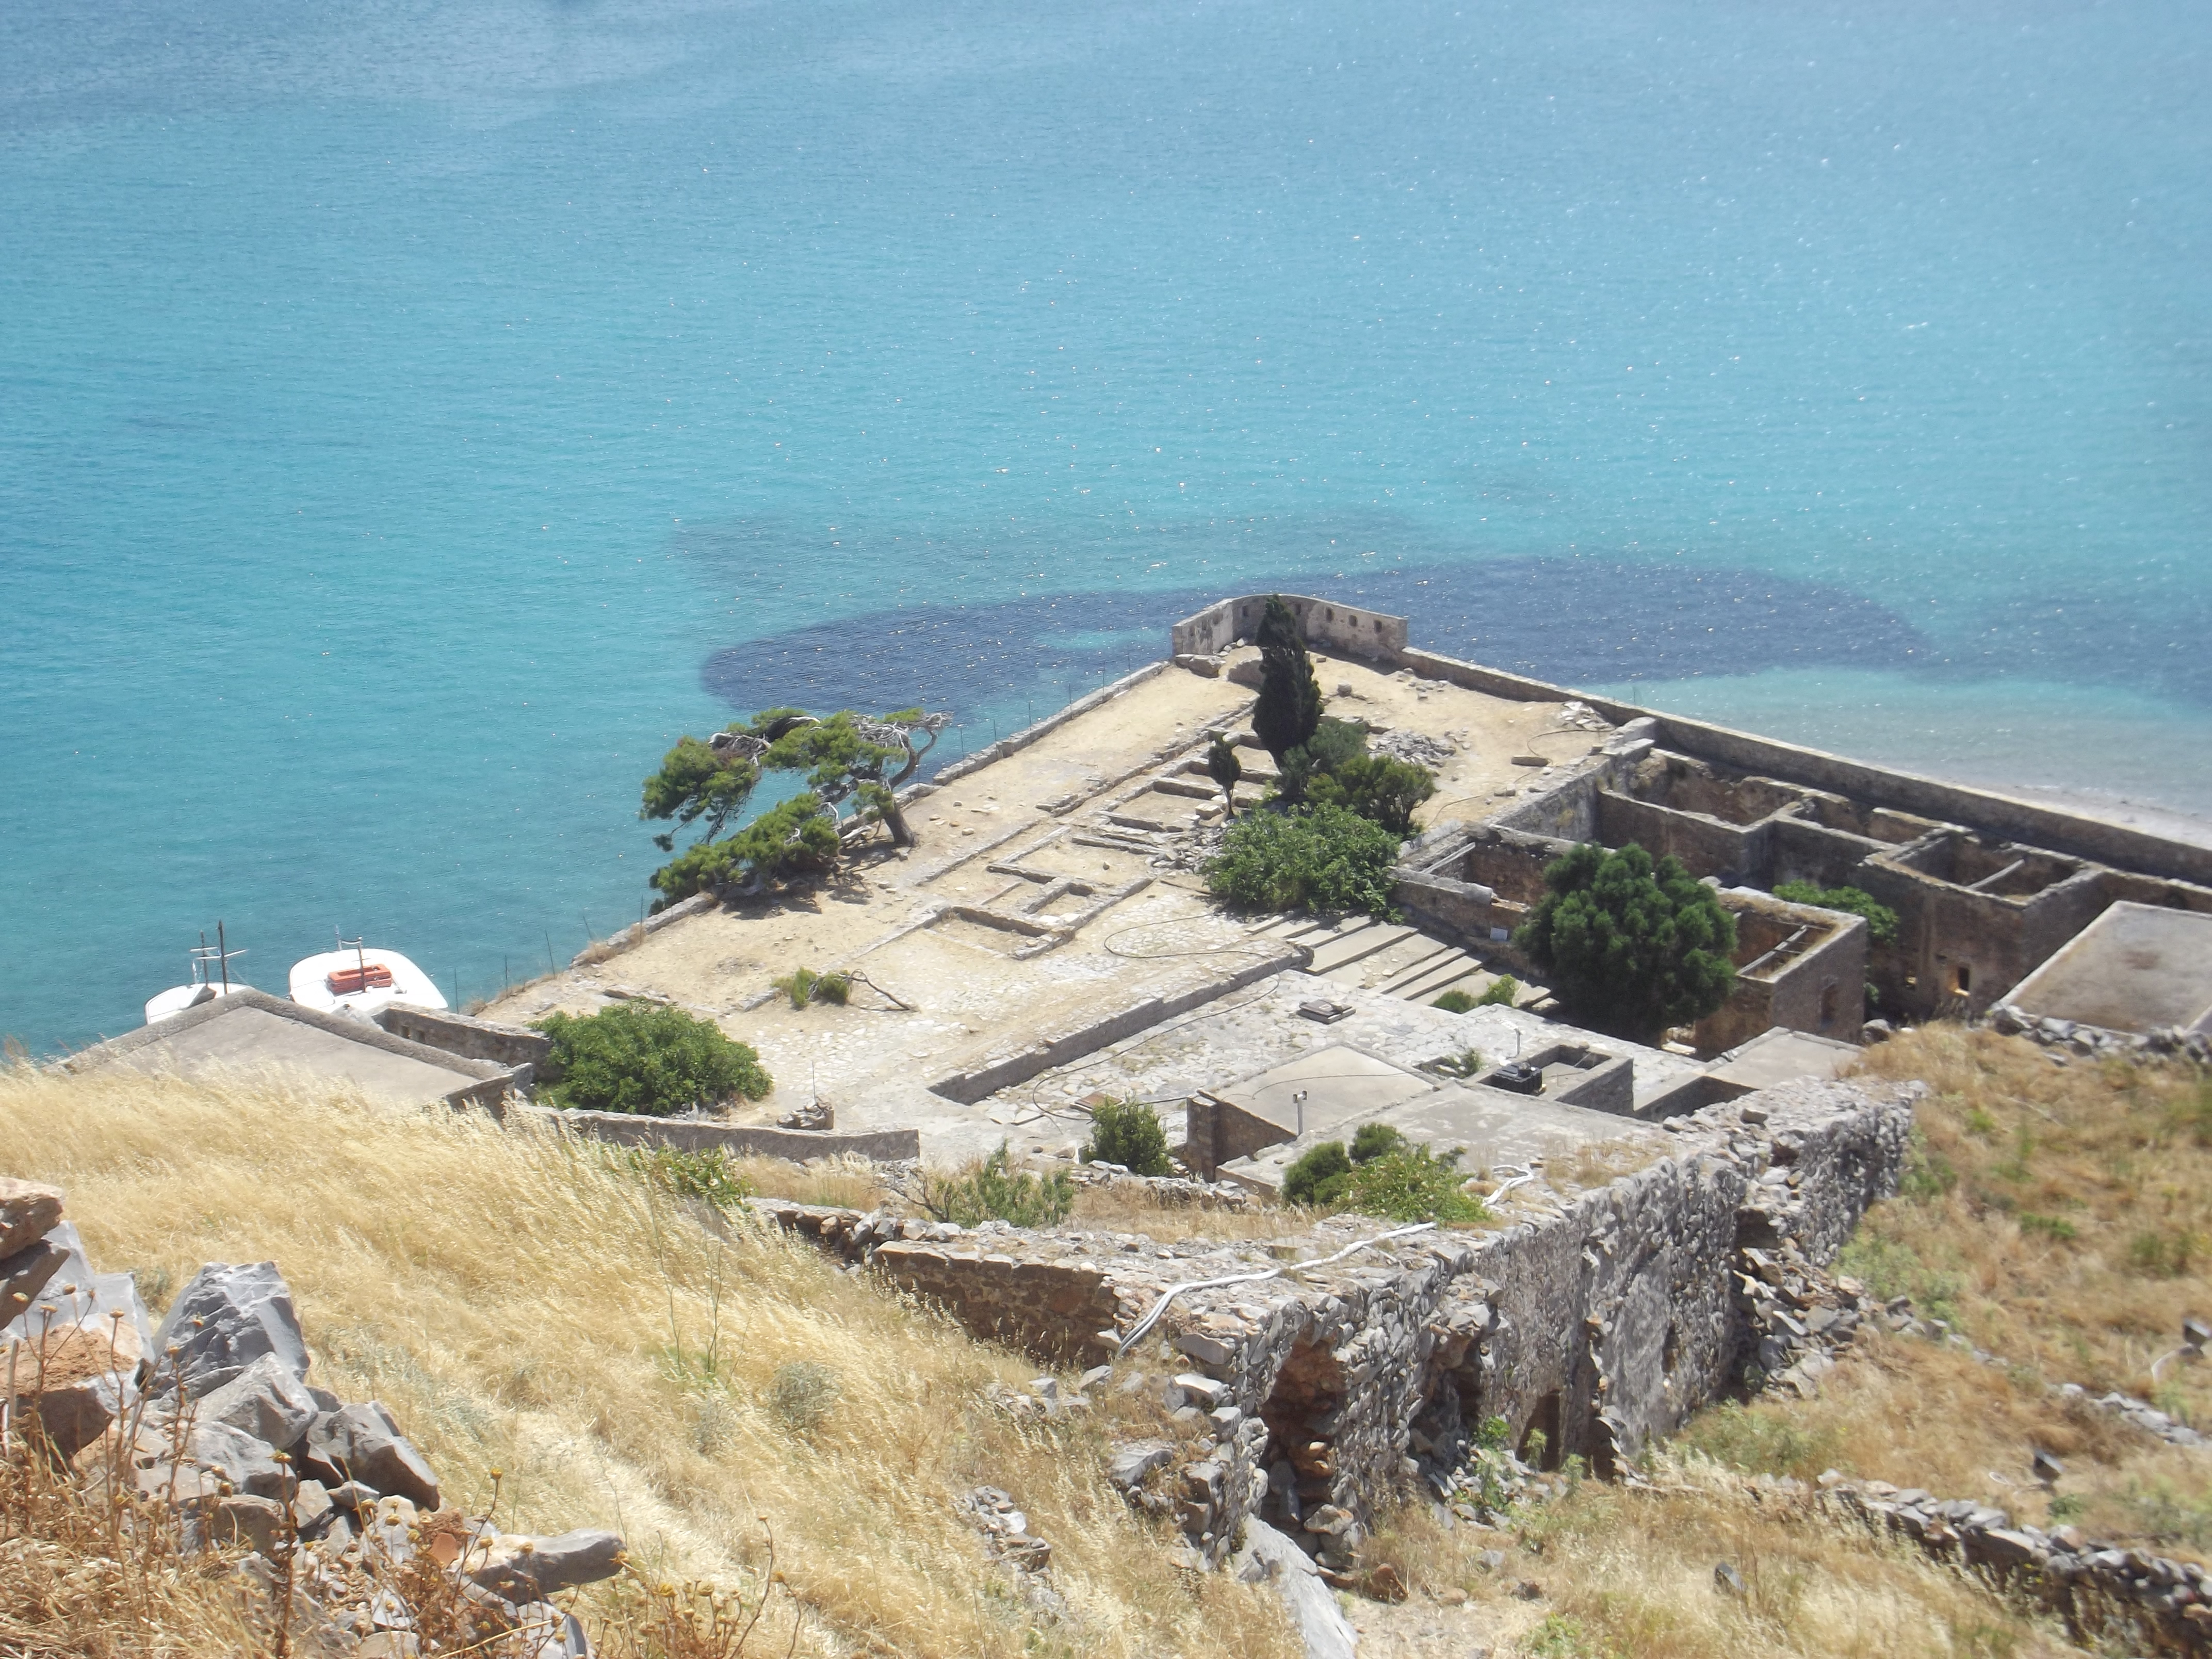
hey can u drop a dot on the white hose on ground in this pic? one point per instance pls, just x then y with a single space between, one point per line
1151 1317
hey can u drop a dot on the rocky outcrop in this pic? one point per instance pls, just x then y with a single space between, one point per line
212 1432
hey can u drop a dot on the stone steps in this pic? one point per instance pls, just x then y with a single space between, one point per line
1348 948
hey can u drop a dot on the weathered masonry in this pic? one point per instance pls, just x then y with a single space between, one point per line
1599 1317
1985 888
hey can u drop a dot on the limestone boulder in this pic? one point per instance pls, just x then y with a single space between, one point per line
25 1275
1269 1557
241 1521
266 1401
27 1212
230 1316
362 1443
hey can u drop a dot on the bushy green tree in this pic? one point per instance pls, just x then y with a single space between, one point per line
1128 1132
844 757
1289 696
1319 859
1631 947
1881 920
1316 1177
642 1058
1383 1176
1376 786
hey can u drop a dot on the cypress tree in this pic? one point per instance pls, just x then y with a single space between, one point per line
1289 695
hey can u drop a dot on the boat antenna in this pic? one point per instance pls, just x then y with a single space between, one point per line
360 957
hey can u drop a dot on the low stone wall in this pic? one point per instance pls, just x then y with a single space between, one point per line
1601 1324
457 1034
739 1139
1326 623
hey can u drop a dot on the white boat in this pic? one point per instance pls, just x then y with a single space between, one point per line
362 979
210 978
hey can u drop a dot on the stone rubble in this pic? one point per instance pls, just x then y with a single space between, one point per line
2066 1036
2104 1594
212 1428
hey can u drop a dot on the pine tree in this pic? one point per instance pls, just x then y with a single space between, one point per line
1631 947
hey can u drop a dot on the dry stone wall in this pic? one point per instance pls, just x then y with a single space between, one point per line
1334 1367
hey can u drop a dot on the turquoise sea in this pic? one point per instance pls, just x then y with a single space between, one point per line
412 417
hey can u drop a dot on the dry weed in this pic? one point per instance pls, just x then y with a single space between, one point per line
524 1304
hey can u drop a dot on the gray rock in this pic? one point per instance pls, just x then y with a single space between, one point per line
312 1508
227 1318
25 1274
1321 1627
362 1443
1210 1395
1728 1580
1134 1460
243 1522
249 1465
529 1569
265 1400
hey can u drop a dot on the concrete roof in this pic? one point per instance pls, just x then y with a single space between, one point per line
250 1031
2135 968
1781 1055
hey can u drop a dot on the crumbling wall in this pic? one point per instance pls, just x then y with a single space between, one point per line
1602 1322
1327 624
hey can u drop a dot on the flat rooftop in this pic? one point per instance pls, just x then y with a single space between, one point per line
250 1033
2136 968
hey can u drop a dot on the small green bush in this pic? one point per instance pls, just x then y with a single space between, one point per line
642 1058
1316 1170
801 1393
1373 1140
994 1191
1881 920
804 985
1758 1440
1412 1184
1322 859
2163 1252
1455 1002
707 1173
1502 991
1128 1132
1376 787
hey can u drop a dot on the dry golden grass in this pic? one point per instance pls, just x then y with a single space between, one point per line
2060 1217
842 1184
525 1303
1101 1209
1626 1574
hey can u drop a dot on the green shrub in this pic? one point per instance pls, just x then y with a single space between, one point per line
1631 946
1455 1002
791 838
1373 1140
1128 1132
1881 920
1377 786
642 1058
1312 1179
994 1191
1321 859
804 985
707 1173
801 1393
1502 991
1412 1184
1381 1175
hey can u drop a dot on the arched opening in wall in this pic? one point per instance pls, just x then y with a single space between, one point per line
1828 1003
1540 1441
1962 978
1302 1413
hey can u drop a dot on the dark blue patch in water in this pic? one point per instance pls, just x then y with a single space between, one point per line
1571 620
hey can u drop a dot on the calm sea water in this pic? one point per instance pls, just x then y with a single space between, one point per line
412 417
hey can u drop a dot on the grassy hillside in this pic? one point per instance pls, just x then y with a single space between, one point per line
527 1307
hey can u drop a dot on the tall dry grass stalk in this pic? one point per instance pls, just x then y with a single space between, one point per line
527 1305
